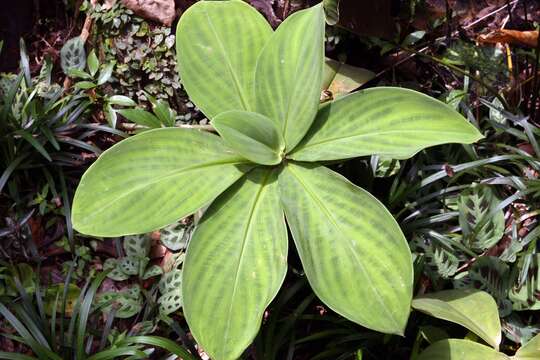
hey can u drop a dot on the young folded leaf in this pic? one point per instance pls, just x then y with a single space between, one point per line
252 135
289 74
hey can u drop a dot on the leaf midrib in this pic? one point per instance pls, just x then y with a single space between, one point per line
337 227
166 177
253 210
236 82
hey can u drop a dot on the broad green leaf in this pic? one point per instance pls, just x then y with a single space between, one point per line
391 122
289 74
353 251
235 264
121 100
340 79
85 85
105 73
93 63
76 73
458 349
482 224
252 135
529 351
476 310
218 43
151 180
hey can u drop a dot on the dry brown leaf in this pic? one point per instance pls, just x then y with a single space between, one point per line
513 37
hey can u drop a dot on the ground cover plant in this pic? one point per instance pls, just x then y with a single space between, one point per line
358 218
272 136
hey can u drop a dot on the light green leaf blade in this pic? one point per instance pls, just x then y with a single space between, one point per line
218 43
352 250
235 264
529 351
458 349
289 74
151 180
92 62
391 122
252 135
474 309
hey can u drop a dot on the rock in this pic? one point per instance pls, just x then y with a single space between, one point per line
159 10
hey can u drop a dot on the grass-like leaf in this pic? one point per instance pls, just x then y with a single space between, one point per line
252 135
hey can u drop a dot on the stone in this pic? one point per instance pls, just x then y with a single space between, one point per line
162 11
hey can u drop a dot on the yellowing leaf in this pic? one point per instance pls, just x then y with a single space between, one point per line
476 310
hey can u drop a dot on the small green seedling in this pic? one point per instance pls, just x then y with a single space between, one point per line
261 89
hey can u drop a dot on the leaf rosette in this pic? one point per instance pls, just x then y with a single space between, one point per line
261 89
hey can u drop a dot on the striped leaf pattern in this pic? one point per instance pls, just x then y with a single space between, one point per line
289 74
235 264
151 180
252 135
218 43
391 122
352 250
